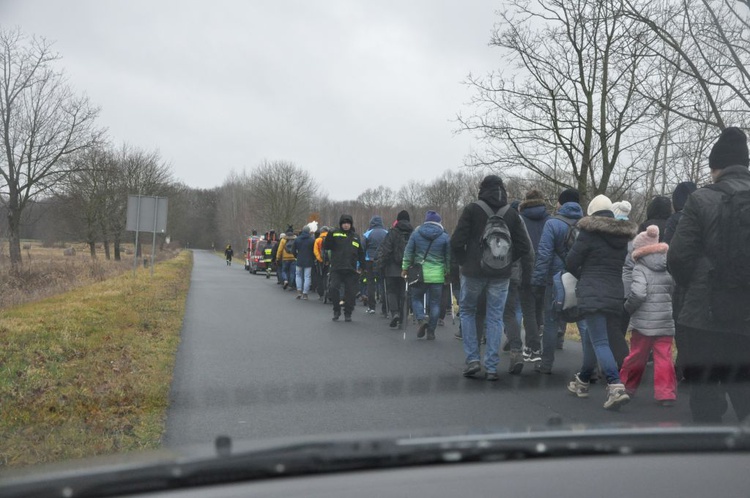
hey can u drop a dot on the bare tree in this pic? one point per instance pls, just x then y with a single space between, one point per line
41 122
237 209
284 193
568 110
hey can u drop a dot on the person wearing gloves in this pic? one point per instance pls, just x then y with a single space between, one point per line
347 260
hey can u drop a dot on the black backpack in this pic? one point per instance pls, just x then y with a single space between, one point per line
730 277
496 244
571 236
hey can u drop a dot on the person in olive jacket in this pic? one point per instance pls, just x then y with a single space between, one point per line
347 260
596 260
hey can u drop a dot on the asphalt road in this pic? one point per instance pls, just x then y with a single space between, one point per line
256 363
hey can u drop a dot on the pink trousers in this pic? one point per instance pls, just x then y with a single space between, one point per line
665 380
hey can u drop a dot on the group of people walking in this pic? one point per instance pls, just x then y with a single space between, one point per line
679 276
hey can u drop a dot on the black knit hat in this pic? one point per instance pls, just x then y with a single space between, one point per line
403 215
569 195
729 150
681 193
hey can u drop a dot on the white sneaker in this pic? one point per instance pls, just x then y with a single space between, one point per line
616 397
578 387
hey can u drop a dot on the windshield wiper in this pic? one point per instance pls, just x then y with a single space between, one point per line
226 465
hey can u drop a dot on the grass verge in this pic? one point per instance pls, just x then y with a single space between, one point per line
88 372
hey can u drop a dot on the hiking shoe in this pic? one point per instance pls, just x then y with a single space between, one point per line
336 316
516 363
543 369
394 321
430 335
578 387
534 357
422 328
471 369
560 341
491 376
616 397
347 318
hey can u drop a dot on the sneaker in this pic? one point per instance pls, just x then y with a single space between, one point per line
441 323
430 335
491 376
616 397
458 336
578 387
560 341
347 318
336 316
422 328
534 357
299 295
286 284
526 353
516 363
471 369
304 297
370 311
394 321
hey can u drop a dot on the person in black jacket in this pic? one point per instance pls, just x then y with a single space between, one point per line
347 261
388 259
679 197
466 246
596 260
713 351
658 212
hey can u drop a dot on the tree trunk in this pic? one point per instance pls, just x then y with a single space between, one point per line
92 248
117 248
14 232
107 254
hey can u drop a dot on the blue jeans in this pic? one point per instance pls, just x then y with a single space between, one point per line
434 293
596 349
551 326
288 271
304 279
497 293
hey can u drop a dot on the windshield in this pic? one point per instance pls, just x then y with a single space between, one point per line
287 219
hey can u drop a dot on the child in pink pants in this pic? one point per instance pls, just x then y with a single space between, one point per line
649 302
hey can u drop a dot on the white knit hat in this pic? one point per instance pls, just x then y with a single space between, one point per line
621 209
599 203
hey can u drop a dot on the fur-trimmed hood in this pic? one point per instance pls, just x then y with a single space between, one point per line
660 248
530 203
617 233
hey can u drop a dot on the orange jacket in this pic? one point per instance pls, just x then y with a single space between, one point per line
318 247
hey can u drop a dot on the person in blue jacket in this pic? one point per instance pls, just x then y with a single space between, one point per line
372 240
303 251
550 259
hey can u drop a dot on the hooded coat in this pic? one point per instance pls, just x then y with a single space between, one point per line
303 250
551 249
535 215
437 263
281 253
466 240
347 253
596 260
374 237
390 254
658 212
649 298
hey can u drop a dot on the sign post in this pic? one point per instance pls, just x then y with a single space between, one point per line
147 214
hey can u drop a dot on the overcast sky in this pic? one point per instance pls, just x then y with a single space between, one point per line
359 93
